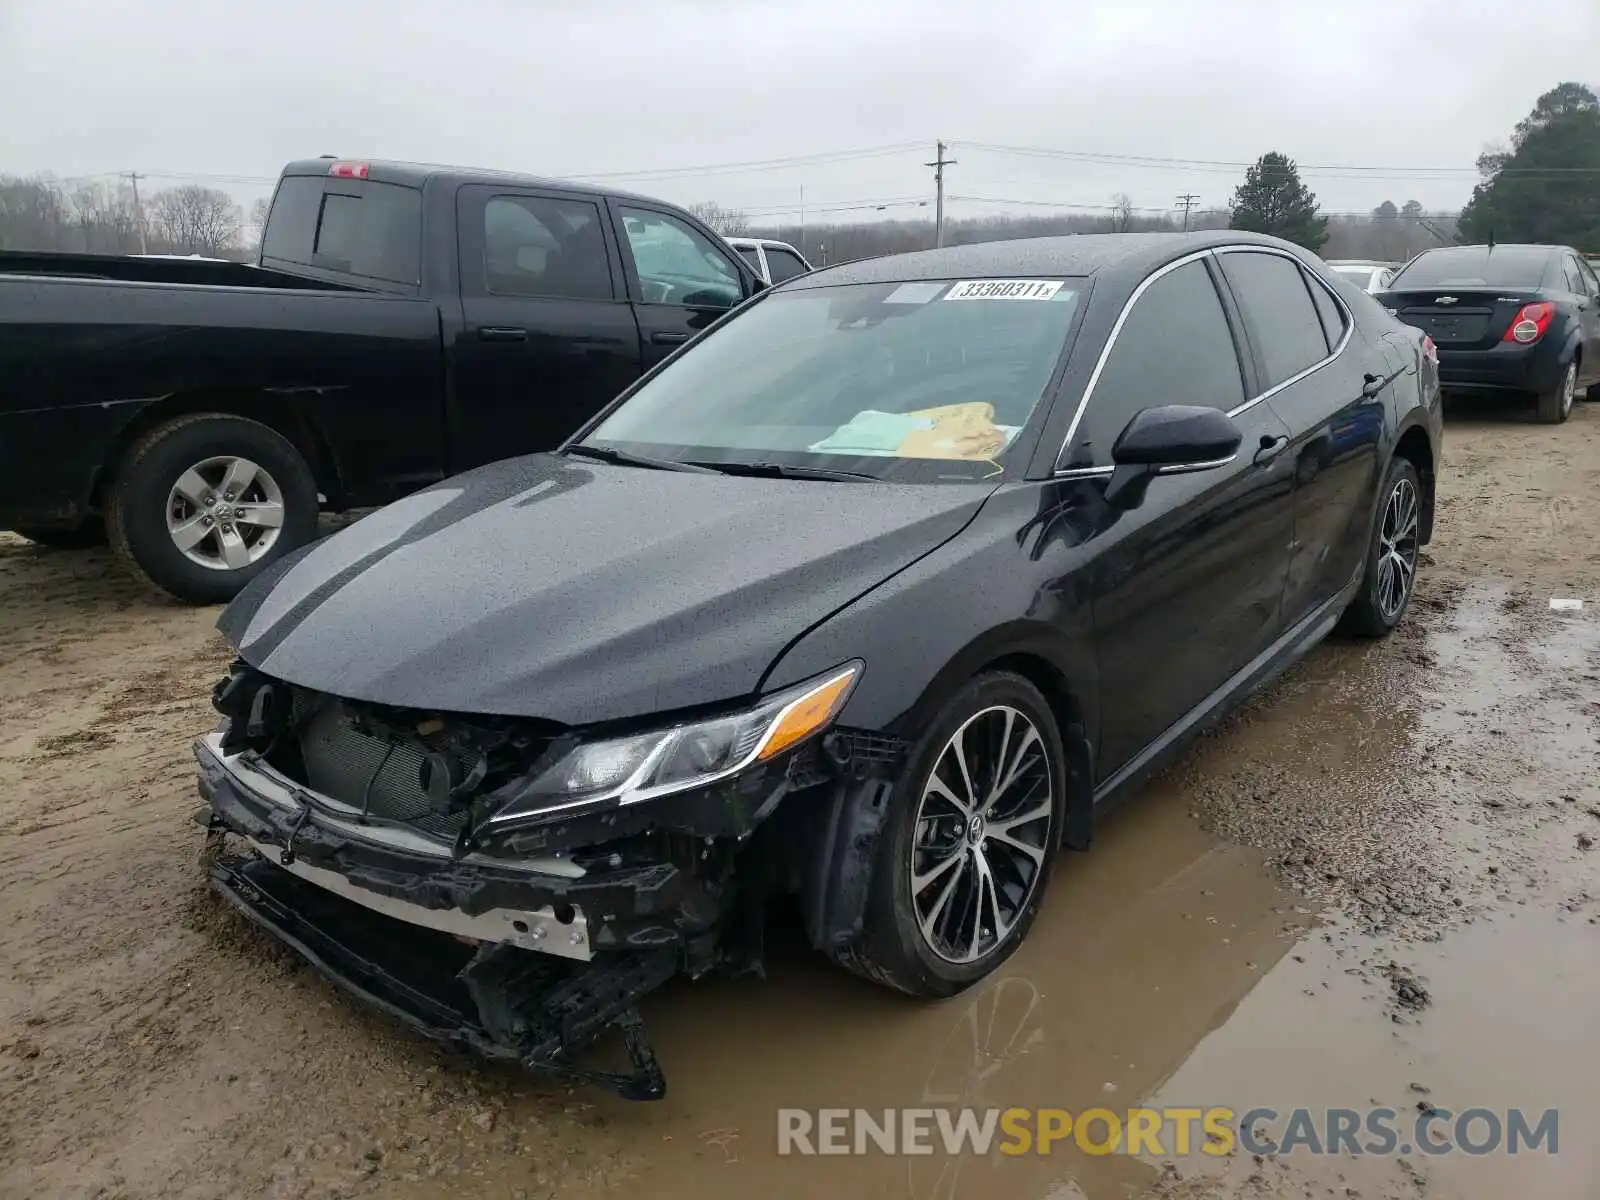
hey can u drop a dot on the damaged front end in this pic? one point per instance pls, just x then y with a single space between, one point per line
506 884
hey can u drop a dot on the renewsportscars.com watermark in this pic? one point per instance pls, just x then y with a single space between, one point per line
1166 1132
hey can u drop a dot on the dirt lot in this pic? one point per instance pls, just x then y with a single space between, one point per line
1380 885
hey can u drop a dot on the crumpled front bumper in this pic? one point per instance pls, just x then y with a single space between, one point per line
495 1000
529 961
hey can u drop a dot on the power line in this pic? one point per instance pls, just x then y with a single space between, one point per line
761 164
1203 164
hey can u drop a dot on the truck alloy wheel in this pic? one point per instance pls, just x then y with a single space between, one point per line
225 513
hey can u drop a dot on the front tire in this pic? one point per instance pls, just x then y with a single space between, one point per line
1555 406
205 503
964 856
1391 570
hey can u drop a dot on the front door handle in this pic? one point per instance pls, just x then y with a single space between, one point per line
1270 448
502 333
668 337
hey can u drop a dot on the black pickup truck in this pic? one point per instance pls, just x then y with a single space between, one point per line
403 323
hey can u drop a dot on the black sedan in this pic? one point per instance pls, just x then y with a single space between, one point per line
1523 320
873 595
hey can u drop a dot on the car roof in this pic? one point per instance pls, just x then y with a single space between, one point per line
1123 255
412 174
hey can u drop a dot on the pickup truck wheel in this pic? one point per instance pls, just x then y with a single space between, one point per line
78 537
204 503
964 855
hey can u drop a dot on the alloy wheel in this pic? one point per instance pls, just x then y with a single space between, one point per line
1397 549
225 513
982 829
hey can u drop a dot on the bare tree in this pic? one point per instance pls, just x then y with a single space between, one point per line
33 214
1121 213
106 218
256 224
196 220
729 222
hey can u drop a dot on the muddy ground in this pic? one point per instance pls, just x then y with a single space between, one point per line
1378 885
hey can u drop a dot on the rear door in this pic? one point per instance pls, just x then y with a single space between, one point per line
549 337
1316 370
680 278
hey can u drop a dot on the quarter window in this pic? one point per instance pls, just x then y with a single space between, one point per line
677 264
1283 319
1332 315
1175 348
539 246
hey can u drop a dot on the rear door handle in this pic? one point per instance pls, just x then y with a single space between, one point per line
1270 448
668 337
502 333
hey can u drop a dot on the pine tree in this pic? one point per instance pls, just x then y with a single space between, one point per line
1273 200
1546 188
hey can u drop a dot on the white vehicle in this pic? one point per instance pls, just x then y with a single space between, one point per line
774 261
1367 275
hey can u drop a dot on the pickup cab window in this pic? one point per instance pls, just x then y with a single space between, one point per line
677 264
541 246
358 227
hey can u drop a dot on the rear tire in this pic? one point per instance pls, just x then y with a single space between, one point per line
1391 571
79 537
1555 406
204 503
980 857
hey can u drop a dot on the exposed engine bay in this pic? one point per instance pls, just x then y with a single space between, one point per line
427 862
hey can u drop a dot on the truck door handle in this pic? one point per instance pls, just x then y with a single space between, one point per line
668 337
1270 448
502 333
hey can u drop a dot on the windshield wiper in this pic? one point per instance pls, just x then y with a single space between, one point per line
611 454
773 470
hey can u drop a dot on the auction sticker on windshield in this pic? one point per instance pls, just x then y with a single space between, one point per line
1004 289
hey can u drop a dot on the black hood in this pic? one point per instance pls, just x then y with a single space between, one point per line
580 592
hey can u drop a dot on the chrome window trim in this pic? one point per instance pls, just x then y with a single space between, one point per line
1191 468
1105 355
1211 252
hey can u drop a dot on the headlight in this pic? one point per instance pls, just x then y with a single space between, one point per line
646 765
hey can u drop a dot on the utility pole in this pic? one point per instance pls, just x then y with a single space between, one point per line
939 163
1187 202
138 211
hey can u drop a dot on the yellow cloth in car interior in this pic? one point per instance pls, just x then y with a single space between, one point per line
959 431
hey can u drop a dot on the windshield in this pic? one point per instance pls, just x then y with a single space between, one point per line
1476 266
925 381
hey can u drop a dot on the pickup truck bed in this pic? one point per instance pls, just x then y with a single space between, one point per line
404 323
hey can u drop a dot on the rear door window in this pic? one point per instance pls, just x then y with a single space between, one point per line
544 246
1277 305
1176 347
784 264
1573 276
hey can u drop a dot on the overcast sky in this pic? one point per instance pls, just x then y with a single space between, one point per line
234 88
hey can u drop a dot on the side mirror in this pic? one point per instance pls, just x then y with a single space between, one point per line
1173 439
